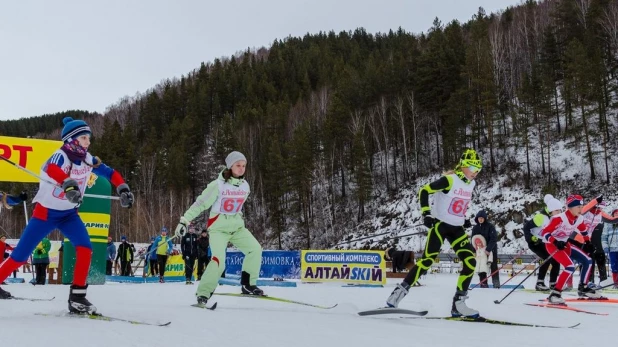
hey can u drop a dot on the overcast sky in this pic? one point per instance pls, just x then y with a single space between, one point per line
75 54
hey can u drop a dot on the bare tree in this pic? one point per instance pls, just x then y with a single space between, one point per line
400 117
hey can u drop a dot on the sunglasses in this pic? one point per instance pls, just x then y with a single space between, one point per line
474 169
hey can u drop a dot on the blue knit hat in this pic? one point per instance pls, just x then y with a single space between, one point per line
74 128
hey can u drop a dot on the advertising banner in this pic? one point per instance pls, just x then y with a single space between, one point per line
275 264
355 267
29 153
175 266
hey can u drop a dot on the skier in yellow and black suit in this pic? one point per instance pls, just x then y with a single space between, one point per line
447 220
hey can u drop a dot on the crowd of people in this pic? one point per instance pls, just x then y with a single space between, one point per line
63 180
561 235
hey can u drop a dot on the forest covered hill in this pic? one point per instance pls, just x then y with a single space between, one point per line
337 125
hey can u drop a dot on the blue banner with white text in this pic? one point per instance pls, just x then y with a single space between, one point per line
275 264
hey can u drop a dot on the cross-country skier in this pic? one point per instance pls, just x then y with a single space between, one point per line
555 235
532 233
225 197
56 208
595 217
447 220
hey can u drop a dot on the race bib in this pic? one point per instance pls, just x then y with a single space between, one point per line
231 205
58 192
458 207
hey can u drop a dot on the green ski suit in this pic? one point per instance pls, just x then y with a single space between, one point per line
226 224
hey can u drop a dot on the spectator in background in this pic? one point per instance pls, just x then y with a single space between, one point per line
40 260
4 246
203 253
188 246
151 258
111 255
488 231
399 259
125 254
164 248
609 241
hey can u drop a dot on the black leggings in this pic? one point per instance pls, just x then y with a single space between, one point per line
202 263
162 260
540 250
598 258
460 243
41 273
153 267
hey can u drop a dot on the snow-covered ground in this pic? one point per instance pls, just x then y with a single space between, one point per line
252 322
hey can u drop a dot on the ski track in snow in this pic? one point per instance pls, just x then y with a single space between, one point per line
245 321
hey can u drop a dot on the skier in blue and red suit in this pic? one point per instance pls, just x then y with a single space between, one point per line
56 208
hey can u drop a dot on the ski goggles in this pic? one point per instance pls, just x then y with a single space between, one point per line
474 169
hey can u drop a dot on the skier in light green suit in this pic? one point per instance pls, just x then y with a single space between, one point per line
225 197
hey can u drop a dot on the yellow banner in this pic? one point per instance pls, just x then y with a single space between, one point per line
29 153
356 267
175 266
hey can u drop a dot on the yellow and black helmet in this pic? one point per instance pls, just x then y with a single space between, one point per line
470 158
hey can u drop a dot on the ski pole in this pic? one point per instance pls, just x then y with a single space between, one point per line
516 274
376 235
96 196
493 273
524 280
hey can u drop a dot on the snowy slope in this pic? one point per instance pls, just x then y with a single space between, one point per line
503 196
251 322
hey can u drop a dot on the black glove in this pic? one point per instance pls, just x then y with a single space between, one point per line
467 223
599 199
71 191
126 197
39 251
588 247
23 196
428 220
560 244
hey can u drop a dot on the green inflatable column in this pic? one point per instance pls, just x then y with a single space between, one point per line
95 214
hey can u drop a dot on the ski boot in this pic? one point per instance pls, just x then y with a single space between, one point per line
4 294
587 291
400 292
77 301
202 300
555 297
459 308
247 288
541 287
188 282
